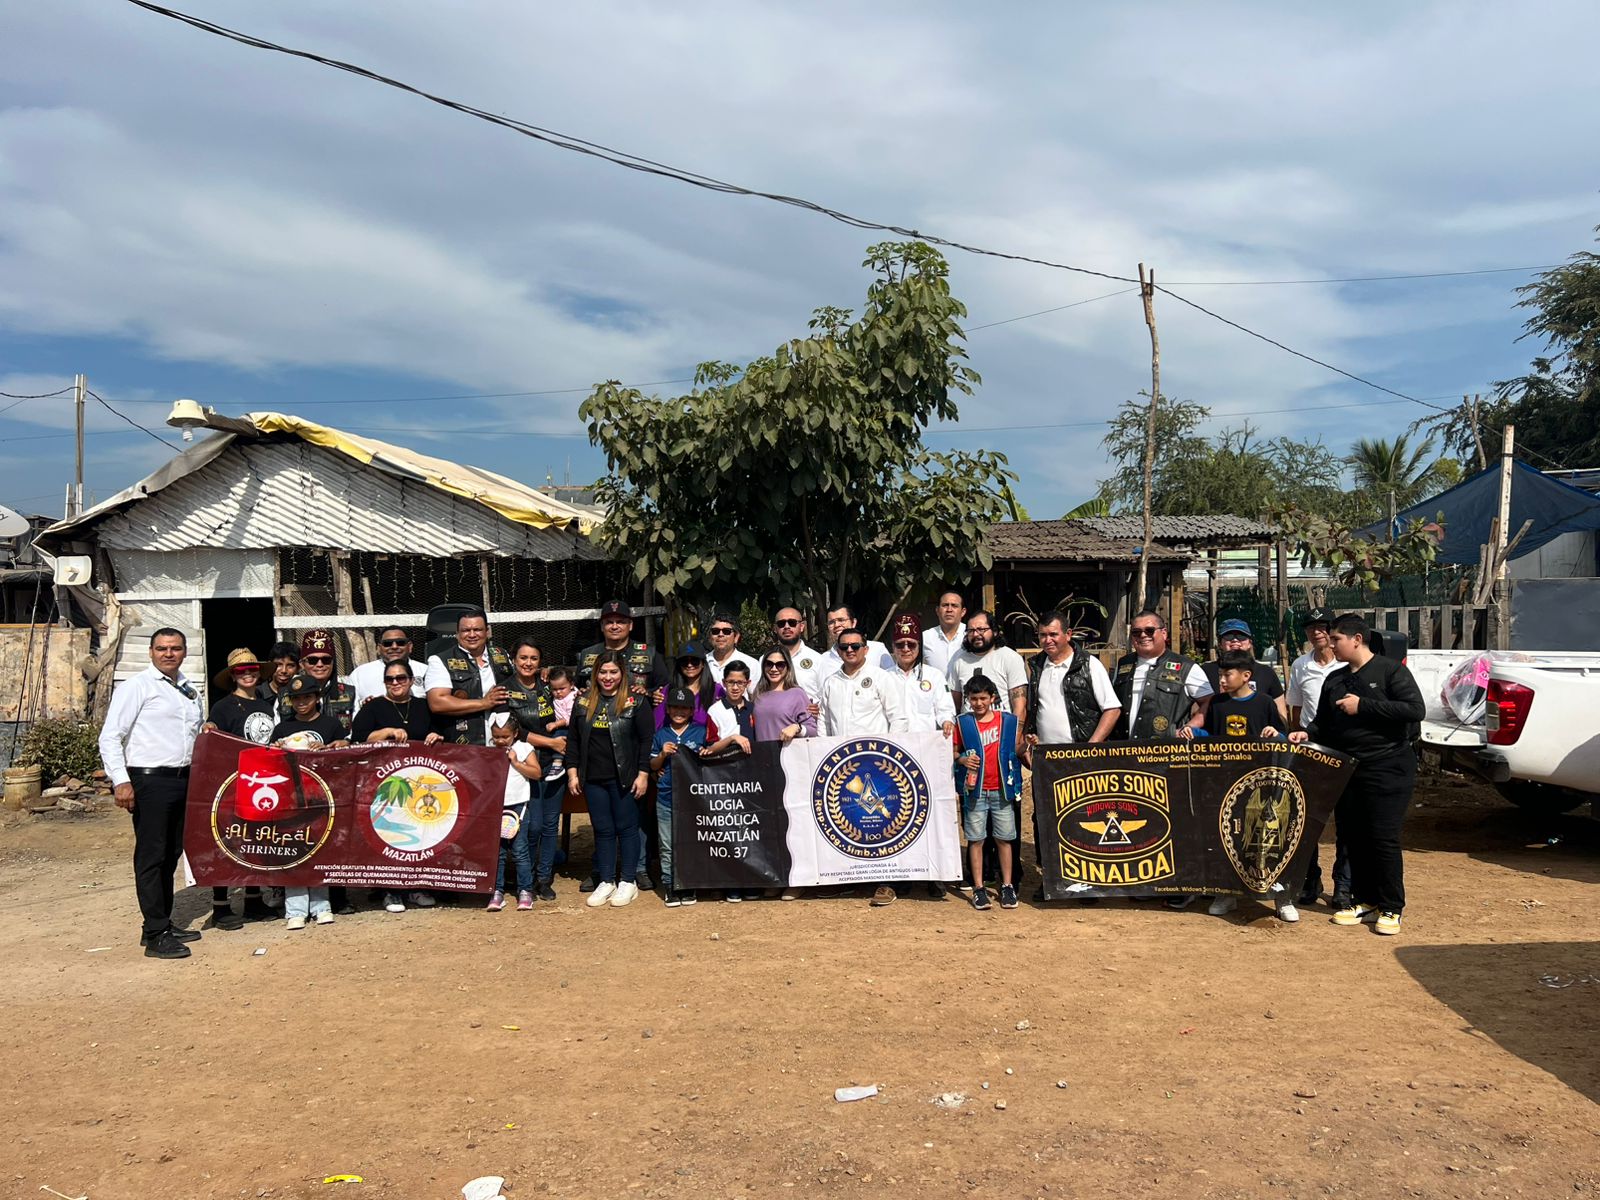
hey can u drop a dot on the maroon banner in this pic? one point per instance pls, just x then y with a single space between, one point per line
389 817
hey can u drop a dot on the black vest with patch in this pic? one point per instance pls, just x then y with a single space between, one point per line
467 684
1163 705
1077 689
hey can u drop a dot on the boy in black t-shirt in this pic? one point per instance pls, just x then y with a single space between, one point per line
310 728
1240 710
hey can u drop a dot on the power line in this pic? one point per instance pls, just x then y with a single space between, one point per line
1355 278
1059 308
620 158
125 417
35 396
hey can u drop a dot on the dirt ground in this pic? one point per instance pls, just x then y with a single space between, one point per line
694 1052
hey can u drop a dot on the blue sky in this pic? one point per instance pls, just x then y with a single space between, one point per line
181 216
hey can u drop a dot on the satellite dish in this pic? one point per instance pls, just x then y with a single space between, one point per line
12 524
73 569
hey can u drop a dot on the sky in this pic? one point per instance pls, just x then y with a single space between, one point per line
184 216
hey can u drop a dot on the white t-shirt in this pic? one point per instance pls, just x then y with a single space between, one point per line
438 676
518 789
1054 724
367 680
937 650
1195 684
716 669
1306 677
1003 666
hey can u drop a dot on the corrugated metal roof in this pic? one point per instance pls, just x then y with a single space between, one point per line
1186 531
259 495
1067 541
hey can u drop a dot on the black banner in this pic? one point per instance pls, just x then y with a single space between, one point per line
1182 817
729 827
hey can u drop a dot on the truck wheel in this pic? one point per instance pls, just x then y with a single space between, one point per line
1541 797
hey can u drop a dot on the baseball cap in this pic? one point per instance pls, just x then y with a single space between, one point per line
1321 616
680 697
1234 625
616 608
690 650
302 683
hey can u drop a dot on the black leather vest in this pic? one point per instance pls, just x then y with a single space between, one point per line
1077 688
1164 703
467 684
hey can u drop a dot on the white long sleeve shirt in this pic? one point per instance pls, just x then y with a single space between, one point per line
927 696
870 701
151 723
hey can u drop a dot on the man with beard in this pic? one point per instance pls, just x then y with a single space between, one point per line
983 655
789 631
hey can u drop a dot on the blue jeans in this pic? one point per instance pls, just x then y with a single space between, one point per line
542 826
518 848
614 813
664 832
305 902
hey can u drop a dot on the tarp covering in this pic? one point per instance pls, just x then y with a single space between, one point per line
1469 508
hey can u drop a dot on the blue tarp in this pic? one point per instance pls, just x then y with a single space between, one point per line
1469 507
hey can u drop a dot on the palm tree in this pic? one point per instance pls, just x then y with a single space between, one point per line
1393 470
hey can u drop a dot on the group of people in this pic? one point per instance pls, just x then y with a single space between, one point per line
609 728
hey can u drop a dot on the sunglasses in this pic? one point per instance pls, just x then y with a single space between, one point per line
851 647
397 679
395 642
1235 637
1148 632
242 669
773 665
721 632
908 645
781 621
318 659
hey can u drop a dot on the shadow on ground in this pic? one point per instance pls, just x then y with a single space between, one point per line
1538 1000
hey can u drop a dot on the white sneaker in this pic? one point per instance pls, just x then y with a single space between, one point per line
393 903
421 900
295 923
1223 905
1289 913
324 918
600 895
625 894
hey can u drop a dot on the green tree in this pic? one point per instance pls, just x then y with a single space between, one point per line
1234 472
802 475
1556 405
1397 473
1356 560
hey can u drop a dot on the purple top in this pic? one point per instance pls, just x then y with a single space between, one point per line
776 711
704 698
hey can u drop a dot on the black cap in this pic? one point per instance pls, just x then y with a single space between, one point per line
301 683
680 697
615 608
1321 616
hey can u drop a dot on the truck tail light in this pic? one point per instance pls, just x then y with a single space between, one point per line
1506 711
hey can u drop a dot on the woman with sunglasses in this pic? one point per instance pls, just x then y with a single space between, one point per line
612 729
783 709
396 716
243 713
689 671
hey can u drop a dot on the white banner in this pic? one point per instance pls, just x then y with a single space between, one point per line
871 809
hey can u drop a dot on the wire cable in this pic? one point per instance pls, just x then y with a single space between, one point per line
35 396
124 416
1356 278
620 158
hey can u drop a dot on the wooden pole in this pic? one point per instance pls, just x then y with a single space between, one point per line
80 386
1147 292
1477 438
1211 600
1283 609
1502 553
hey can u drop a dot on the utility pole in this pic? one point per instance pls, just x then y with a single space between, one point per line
1477 438
1147 291
1502 549
80 386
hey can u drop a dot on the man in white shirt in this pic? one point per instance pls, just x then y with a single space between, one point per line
146 744
810 665
983 654
394 645
725 635
839 620
860 698
940 644
1308 671
465 686
927 698
1070 697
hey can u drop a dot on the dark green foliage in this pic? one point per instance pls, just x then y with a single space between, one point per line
61 747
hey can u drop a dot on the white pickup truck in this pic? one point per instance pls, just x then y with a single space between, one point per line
1538 737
